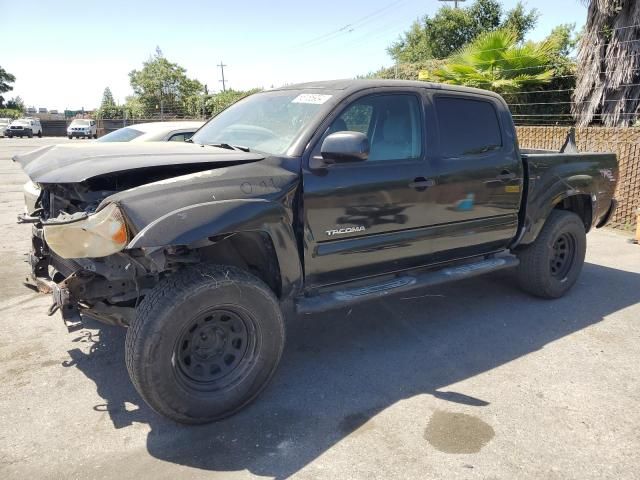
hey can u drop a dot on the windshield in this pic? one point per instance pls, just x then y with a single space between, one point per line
268 122
125 134
80 122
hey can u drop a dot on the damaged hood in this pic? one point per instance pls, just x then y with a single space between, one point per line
76 163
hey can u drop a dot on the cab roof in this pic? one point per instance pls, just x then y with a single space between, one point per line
349 86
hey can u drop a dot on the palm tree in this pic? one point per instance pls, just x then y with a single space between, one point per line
496 61
608 78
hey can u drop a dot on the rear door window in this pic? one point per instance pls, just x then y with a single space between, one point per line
467 126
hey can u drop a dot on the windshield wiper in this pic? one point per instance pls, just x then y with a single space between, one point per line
229 146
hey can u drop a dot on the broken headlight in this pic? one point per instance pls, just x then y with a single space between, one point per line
87 236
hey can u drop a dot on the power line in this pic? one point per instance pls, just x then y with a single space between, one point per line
622 100
349 27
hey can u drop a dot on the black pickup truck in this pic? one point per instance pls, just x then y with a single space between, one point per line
297 200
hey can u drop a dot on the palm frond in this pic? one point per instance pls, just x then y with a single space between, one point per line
495 61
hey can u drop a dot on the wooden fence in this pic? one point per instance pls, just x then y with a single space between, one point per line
625 142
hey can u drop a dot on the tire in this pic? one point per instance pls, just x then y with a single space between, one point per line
550 266
205 342
70 137
95 136
40 134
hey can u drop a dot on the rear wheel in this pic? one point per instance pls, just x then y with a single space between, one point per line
204 343
70 137
40 134
550 266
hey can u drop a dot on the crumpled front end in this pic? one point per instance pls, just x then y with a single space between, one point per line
107 289
100 243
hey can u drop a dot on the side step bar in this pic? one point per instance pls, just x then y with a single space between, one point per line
341 298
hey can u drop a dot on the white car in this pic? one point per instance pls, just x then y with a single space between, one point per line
153 132
4 124
24 127
82 127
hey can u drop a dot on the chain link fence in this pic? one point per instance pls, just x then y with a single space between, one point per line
624 141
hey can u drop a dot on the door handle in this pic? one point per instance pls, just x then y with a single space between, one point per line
421 183
506 175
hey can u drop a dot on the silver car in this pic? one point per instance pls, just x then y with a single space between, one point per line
153 132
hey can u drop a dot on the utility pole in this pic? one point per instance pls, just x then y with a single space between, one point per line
455 2
222 65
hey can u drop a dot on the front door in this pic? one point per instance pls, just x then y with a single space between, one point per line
359 217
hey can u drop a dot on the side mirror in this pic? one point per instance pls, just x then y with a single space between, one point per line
342 147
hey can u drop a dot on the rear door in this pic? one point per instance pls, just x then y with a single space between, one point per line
477 175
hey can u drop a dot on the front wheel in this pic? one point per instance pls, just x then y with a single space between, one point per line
205 342
550 266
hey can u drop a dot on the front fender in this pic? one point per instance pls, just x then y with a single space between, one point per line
189 225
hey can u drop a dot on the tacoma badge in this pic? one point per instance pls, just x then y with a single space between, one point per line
341 231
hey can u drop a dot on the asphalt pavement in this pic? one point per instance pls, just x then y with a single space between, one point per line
474 380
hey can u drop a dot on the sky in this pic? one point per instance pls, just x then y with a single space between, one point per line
64 54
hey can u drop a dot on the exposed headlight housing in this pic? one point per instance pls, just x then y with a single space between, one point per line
87 236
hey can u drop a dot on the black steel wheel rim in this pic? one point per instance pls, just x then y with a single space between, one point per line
215 349
563 255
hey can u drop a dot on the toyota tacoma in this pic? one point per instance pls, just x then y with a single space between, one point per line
294 201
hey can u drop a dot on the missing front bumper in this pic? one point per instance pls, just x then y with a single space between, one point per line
68 309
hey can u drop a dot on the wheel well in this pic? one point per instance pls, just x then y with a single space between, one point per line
581 206
250 251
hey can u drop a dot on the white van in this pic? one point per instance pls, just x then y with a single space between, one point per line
82 127
24 127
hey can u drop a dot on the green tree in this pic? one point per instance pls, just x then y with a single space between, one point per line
108 107
216 103
520 21
6 79
162 86
452 28
107 99
16 103
496 61
549 103
405 71
133 108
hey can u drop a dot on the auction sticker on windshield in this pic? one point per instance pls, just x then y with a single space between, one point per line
314 98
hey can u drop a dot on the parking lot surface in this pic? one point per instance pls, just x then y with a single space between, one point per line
474 380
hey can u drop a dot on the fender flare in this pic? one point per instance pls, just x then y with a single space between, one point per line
190 225
545 204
